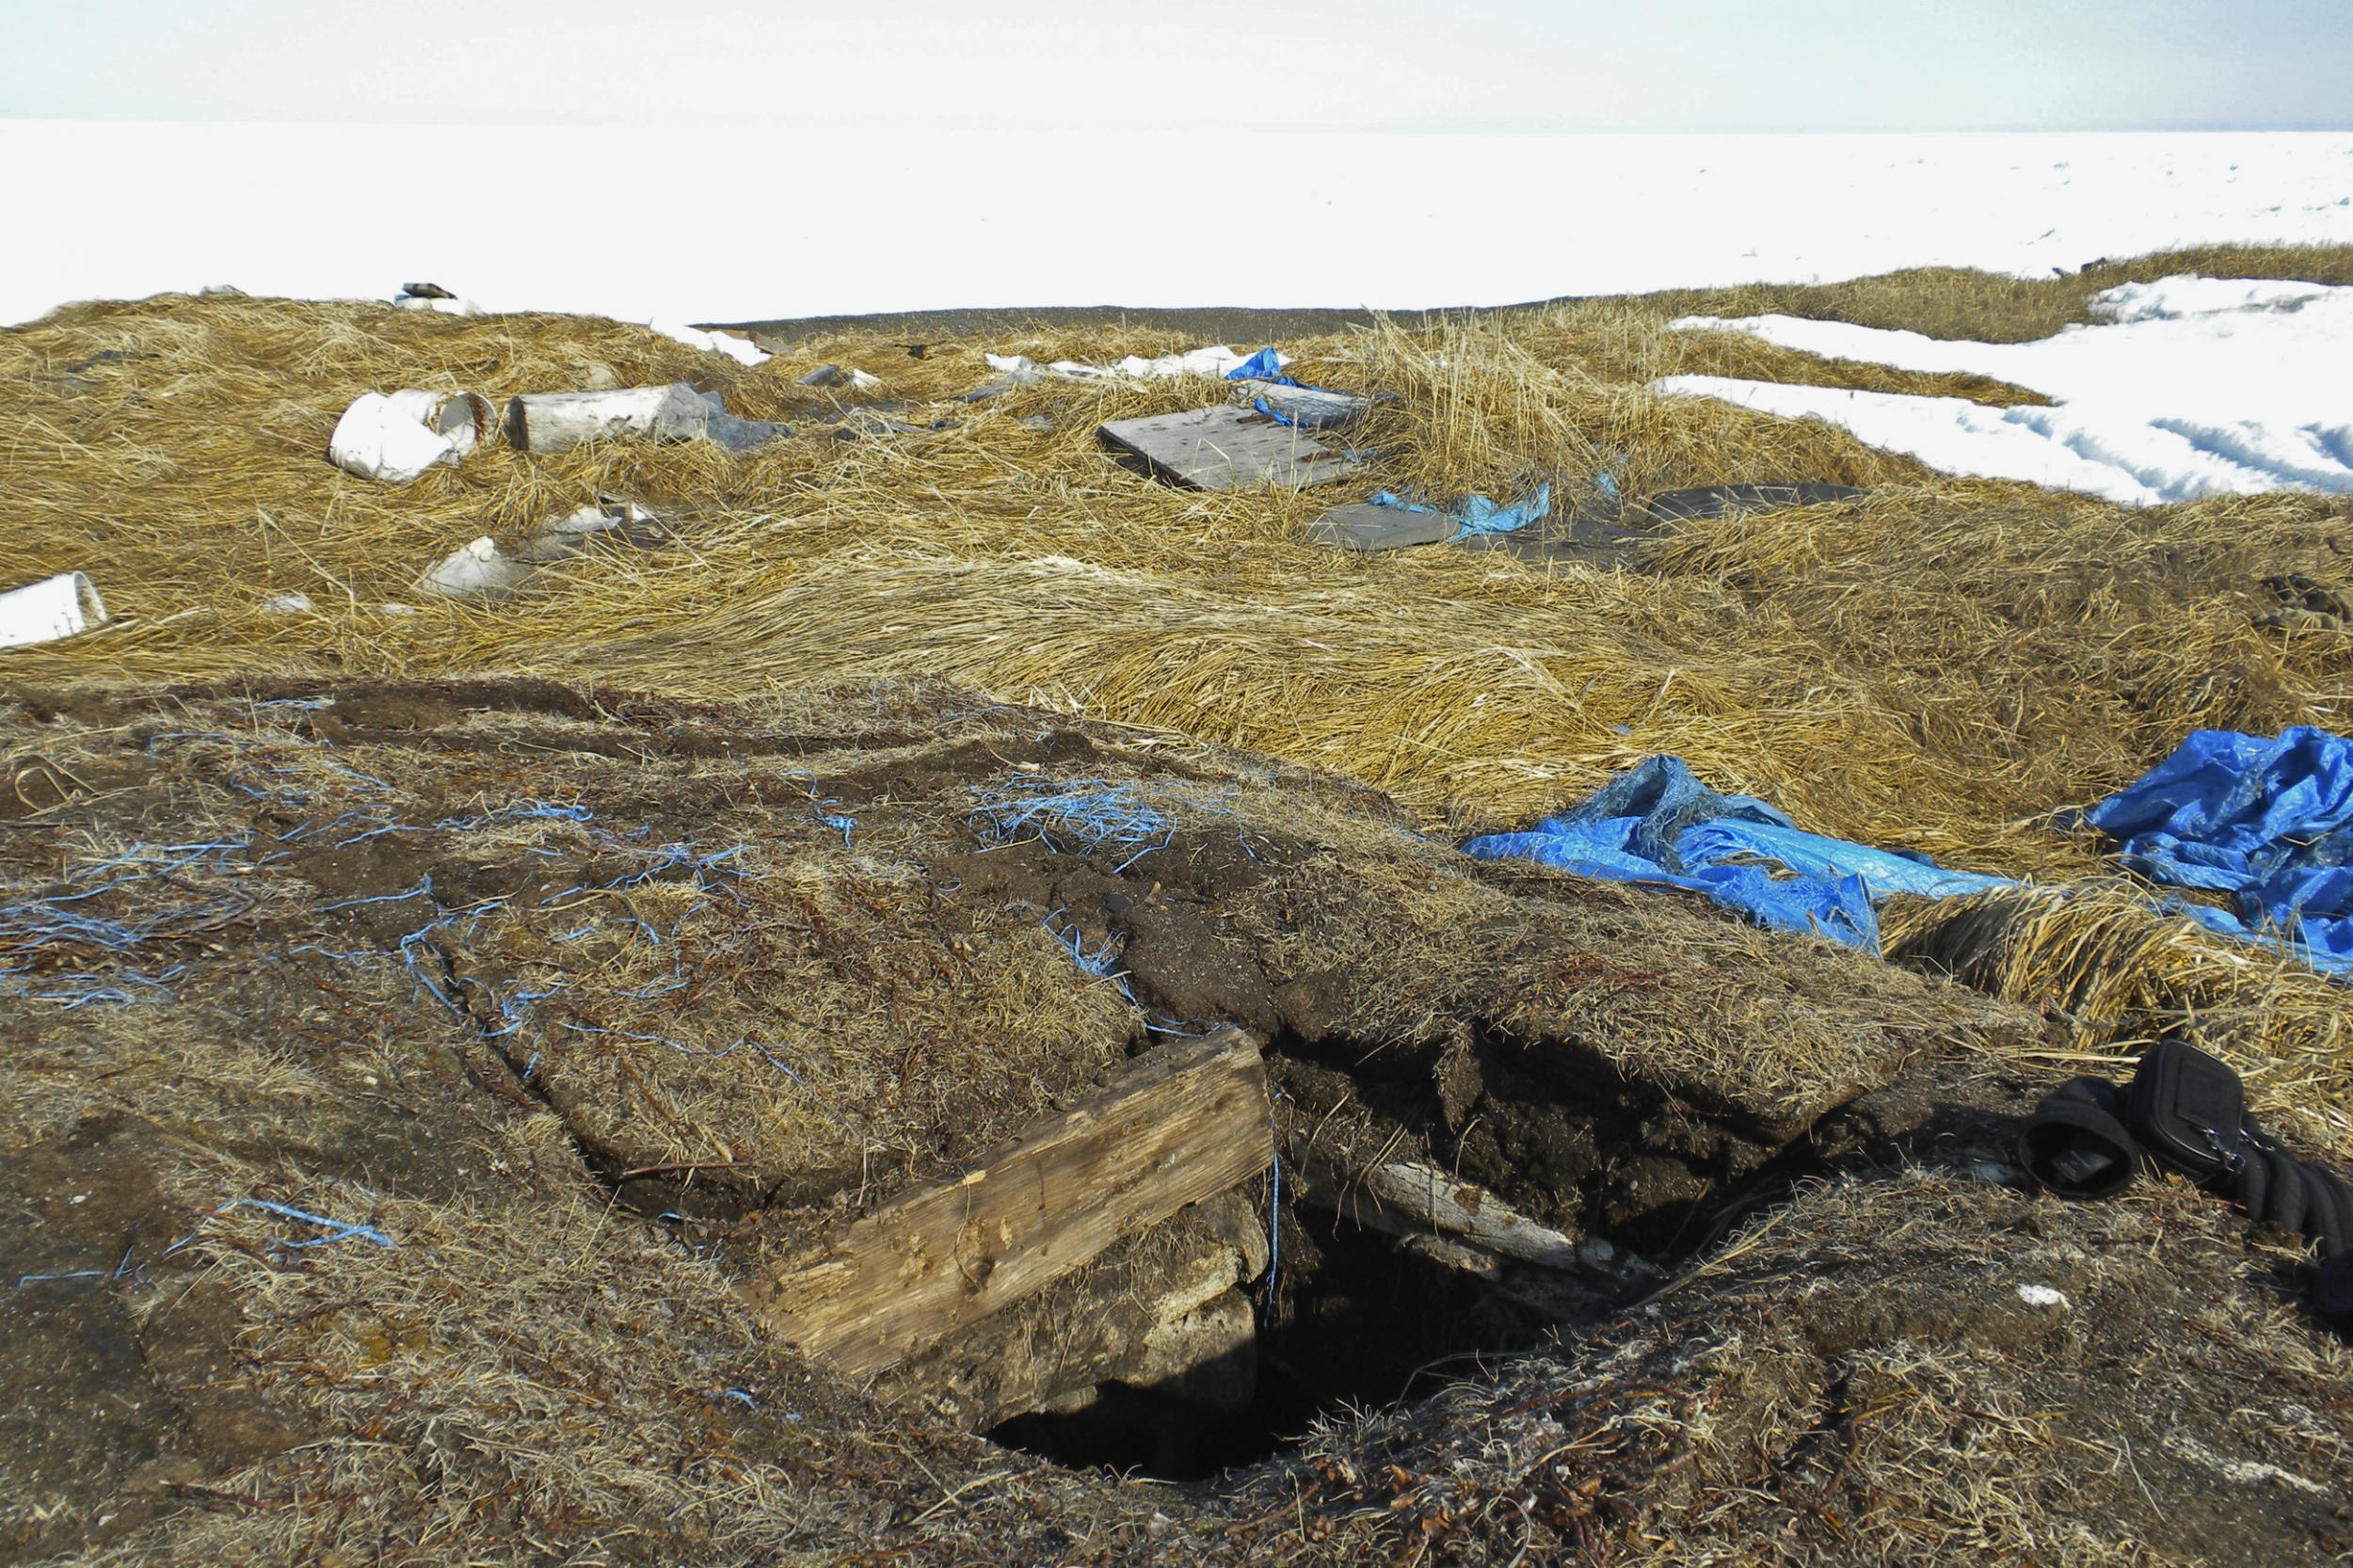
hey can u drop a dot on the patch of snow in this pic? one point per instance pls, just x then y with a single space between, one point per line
2043 1295
2194 387
2178 299
288 604
1383 227
1216 360
741 350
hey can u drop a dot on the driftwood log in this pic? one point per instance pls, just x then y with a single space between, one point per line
1420 1203
1182 1124
1168 1309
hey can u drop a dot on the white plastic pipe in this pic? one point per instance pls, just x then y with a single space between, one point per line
49 610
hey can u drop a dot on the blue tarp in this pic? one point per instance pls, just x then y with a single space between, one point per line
1478 514
1265 365
1659 824
2269 822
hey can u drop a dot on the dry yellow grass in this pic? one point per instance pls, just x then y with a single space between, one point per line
1941 667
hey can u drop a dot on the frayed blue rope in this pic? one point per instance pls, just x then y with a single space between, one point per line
423 890
1078 815
1103 962
338 1230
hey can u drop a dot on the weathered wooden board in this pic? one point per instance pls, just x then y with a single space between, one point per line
1228 448
1182 1124
1169 1303
1360 525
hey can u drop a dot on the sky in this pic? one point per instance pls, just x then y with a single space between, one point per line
1550 65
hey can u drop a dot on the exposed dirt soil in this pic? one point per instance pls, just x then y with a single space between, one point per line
401 1078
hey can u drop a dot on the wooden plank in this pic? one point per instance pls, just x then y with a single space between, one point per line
1360 525
1228 448
1182 1124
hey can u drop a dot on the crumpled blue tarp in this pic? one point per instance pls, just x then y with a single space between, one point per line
1265 365
1658 824
1478 514
2269 822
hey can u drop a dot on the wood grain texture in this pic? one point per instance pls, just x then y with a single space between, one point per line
1408 1198
1182 1124
1228 448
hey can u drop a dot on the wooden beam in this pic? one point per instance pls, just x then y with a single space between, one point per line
1182 1124
1407 1198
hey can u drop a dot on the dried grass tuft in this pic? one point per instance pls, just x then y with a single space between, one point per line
1941 667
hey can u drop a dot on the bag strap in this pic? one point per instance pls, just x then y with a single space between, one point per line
2075 1142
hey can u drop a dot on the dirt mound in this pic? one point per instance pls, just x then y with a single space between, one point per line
407 1081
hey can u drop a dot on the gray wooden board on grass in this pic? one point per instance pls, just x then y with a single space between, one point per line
1360 525
1227 449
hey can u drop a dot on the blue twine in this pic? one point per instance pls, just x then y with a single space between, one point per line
1077 816
839 822
122 1267
338 1230
51 920
423 890
23 1280
1103 962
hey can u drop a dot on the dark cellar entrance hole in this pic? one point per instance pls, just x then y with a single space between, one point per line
1359 1321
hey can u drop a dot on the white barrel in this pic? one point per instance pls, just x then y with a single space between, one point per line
398 436
51 609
